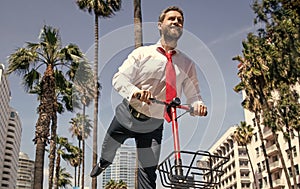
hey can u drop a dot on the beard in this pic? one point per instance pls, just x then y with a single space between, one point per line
172 32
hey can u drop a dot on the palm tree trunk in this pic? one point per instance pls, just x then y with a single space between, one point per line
82 169
83 146
138 31
290 151
96 98
39 162
57 168
42 126
75 176
138 41
52 152
252 169
299 139
282 161
256 122
79 167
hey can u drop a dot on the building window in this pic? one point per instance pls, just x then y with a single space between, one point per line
259 167
295 151
265 181
263 165
260 183
255 137
296 170
12 114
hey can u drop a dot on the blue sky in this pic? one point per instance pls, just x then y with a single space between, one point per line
213 34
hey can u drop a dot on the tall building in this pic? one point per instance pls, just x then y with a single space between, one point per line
122 168
237 171
275 164
25 172
12 148
4 115
10 136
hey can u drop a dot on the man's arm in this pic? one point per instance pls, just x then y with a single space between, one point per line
123 80
191 90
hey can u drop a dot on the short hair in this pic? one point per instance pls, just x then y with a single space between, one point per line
171 8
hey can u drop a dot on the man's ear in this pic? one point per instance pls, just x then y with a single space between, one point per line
159 25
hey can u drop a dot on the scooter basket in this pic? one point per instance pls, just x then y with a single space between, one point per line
193 170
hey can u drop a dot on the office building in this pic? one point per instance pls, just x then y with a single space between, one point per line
11 153
10 136
237 171
25 172
4 115
122 168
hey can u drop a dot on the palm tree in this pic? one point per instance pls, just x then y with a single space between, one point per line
138 41
86 131
243 135
249 84
84 91
74 159
76 131
286 110
138 30
68 152
121 185
62 145
77 125
64 178
112 184
49 56
102 9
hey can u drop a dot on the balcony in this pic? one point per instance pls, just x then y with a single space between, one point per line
267 134
271 150
278 184
275 166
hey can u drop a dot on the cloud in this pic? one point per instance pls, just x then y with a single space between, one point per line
234 35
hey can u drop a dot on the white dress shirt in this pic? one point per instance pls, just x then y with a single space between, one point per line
144 69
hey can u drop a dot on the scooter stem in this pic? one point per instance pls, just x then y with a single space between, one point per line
178 162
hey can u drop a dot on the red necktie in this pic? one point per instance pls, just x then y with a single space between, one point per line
170 80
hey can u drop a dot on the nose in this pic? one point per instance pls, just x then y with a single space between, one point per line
177 21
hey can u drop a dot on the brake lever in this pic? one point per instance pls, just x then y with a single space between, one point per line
154 100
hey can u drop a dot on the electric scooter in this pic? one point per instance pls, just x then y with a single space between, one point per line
187 169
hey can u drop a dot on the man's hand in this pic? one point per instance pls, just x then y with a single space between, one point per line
199 109
143 95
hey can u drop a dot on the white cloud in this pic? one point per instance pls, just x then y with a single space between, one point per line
226 37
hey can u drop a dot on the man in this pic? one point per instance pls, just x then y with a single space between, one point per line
142 76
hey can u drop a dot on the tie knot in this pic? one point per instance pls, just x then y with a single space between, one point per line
168 54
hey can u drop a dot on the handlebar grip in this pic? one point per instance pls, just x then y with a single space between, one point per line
205 114
138 96
192 110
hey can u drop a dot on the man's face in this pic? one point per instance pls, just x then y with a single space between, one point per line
171 26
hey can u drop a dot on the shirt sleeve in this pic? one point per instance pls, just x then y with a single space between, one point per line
123 80
191 87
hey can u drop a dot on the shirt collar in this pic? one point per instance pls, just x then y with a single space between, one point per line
158 44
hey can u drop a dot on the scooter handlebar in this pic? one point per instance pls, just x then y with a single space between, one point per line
175 102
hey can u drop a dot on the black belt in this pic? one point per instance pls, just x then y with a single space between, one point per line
137 115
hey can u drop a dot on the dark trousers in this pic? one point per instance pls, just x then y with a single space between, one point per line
148 150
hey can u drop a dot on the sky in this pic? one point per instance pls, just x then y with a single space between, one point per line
213 35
